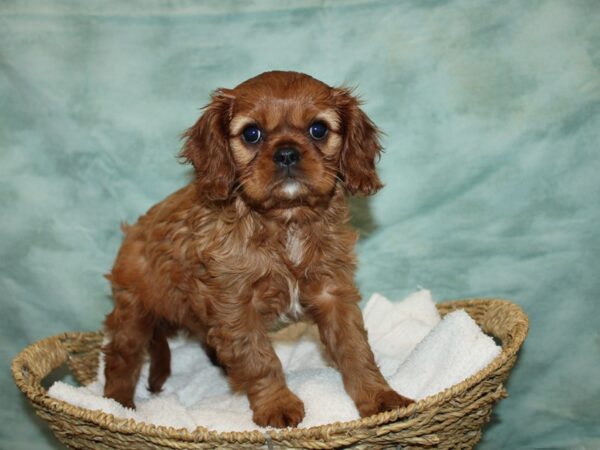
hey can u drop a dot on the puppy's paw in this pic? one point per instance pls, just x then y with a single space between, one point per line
124 398
157 378
282 411
385 400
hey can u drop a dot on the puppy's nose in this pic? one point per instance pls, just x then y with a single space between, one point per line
286 157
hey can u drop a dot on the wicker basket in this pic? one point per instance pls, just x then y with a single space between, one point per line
451 419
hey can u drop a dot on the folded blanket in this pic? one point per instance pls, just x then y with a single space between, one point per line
419 354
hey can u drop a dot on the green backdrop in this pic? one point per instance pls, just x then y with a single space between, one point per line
492 118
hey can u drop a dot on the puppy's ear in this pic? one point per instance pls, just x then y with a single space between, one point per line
207 148
361 147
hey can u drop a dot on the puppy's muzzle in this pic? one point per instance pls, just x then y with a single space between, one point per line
286 157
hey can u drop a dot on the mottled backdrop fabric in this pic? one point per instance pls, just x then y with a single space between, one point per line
492 118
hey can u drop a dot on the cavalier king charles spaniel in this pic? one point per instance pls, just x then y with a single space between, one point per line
260 235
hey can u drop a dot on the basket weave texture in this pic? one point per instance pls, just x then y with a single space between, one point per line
451 419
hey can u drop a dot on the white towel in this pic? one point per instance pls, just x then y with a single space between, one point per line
418 354
453 351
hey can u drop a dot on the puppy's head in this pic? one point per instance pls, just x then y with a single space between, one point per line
283 139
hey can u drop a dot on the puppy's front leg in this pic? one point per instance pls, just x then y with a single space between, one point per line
335 310
242 346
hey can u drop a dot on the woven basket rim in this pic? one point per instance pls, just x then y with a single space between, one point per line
32 388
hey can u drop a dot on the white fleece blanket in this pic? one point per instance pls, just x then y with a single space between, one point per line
419 355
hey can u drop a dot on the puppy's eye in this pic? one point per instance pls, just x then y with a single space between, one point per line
252 134
318 130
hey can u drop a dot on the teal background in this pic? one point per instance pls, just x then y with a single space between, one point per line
492 118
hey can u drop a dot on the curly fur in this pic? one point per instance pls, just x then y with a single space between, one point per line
229 255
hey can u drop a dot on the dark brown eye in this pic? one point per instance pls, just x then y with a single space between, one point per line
252 134
318 130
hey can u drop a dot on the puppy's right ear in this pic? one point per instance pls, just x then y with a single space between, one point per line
207 148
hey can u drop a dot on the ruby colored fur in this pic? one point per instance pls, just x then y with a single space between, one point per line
230 254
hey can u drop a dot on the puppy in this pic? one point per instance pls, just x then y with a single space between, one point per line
260 235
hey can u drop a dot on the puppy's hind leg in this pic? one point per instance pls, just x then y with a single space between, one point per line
129 329
160 359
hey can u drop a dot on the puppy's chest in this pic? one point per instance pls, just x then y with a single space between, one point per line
295 247
273 271
294 253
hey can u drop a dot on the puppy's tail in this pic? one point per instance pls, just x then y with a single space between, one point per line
160 359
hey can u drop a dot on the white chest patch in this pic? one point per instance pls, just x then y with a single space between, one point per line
295 309
294 247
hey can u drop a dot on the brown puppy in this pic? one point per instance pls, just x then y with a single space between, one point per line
260 235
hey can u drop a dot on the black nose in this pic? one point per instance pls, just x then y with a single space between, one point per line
286 157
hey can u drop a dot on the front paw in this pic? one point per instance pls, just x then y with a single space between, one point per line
280 411
385 400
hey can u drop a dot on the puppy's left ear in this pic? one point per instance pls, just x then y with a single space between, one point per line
361 148
207 148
